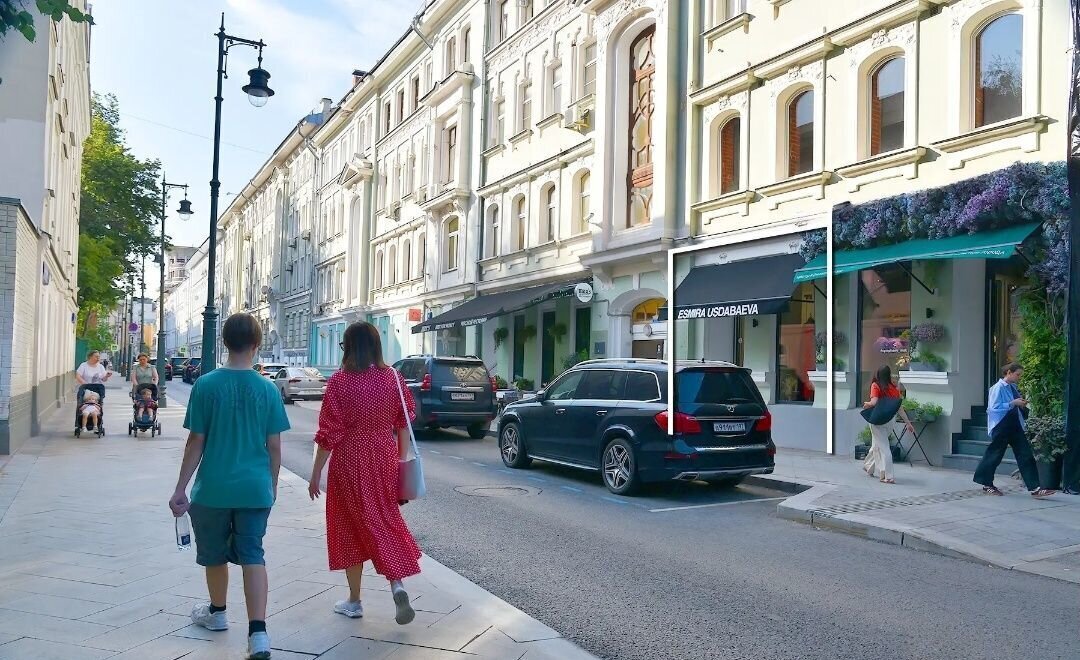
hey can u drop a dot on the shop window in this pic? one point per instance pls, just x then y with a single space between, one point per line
800 133
647 311
999 49
884 321
582 329
729 156
887 107
795 352
640 138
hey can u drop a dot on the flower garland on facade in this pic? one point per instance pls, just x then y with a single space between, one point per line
1018 194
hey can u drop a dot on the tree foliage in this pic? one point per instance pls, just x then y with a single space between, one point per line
15 16
121 202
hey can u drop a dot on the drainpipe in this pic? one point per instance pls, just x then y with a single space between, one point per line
481 206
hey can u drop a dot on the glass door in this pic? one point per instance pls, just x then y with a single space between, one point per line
1003 343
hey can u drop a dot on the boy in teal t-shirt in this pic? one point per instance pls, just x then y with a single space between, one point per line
235 417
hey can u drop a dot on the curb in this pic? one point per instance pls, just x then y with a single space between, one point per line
799 508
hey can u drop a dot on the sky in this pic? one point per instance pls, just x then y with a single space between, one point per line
159 59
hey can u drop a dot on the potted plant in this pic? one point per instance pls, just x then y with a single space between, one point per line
527 333
575 358
500 383
557 332
863 448
1047 437
524 384
924 359
930 412
500 335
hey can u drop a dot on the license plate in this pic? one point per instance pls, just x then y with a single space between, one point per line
729 427
462 396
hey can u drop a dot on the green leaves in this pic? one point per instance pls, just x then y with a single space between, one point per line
13 16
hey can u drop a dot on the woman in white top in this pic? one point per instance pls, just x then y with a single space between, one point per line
92 371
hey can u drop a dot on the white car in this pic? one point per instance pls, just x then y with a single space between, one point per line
300 383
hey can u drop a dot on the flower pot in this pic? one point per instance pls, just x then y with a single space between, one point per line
921 366
861 451
1050 473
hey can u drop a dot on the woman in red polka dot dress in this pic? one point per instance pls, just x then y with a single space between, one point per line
363 432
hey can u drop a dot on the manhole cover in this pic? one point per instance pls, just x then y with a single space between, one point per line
496 491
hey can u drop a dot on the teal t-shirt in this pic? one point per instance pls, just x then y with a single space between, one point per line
235 409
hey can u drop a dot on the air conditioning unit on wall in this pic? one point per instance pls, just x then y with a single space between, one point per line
578 118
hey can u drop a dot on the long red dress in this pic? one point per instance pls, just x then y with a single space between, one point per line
360 413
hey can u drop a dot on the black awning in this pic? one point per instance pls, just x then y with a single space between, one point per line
740 288
491 305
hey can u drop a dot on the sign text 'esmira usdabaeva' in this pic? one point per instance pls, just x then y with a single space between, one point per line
718 311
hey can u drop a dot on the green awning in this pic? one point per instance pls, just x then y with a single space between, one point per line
991 244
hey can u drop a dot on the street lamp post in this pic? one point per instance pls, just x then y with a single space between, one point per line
184 212
258 91
142 307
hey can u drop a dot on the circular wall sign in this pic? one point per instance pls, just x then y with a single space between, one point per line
648 330
584 292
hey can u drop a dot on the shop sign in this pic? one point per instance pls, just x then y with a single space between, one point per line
415 315
718 311
584 292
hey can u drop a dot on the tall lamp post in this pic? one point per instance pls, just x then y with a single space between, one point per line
259 92
185 213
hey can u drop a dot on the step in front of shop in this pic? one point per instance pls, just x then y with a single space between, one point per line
968 463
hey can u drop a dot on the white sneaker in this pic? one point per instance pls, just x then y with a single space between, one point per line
201 616
258 646
405 613
351 609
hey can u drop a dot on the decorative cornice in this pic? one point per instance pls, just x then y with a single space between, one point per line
541 27
901 36
737 101
742 21
796 183
811 53
724 201
993 133
882 162
812 73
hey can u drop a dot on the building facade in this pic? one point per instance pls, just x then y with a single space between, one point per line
44 117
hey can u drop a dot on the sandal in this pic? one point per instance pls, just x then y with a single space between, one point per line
890 480
991 490
869 473
1040 493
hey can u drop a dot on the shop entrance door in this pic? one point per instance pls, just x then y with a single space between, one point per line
1003 343
547 349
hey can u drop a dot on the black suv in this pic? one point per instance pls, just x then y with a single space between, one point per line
450 391
610 416
176 364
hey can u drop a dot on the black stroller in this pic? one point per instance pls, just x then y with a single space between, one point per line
99 389
149 423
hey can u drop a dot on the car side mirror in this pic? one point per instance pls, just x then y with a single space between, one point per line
541 395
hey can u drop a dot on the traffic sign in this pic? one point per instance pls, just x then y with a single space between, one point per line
133 328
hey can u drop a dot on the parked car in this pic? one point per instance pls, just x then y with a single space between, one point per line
191 370
610 416
168 368
300 383
269 369
176 366
450 392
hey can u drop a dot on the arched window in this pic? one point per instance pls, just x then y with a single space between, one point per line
584 209
421 253
391 266
800 133
999 81
406 261
378 269
451 55
494 235
730 157
551 212
887 106
450 239
640 139
520 223
465 45
647 311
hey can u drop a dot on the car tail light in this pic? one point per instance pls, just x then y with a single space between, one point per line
683 423
764 423
425 384
294 380
494 385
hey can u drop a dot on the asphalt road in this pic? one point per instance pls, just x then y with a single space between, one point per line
648 578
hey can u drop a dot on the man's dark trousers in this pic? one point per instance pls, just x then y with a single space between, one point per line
1008 433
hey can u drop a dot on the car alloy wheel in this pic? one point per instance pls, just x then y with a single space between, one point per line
511 448
618 467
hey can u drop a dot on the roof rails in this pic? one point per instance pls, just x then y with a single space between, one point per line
622 361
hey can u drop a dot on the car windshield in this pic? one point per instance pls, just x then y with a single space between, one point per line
310 372
714 386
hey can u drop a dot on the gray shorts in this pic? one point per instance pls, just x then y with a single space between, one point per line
228 536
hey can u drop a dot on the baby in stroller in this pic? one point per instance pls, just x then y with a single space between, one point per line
144 409
88 409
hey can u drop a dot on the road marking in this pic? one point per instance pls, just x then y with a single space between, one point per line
435 451
479 464
571 488
543 481
505 471
456 458
703 506
613 499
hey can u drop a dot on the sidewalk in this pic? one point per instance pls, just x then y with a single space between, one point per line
89 568
936 510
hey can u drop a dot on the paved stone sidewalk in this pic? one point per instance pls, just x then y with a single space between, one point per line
936 510
89 569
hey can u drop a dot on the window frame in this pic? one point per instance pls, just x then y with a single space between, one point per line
729 177
452 232
551 212
978 103
793 138
584 201
874 113
588 68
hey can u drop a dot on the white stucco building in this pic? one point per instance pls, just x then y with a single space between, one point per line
44 119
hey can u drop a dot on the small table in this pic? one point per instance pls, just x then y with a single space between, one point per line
917 441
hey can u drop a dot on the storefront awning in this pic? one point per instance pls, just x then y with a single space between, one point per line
991 244
491 305
740 288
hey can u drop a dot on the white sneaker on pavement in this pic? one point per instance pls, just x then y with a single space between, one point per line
201 616
405 613
258 646
350 608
